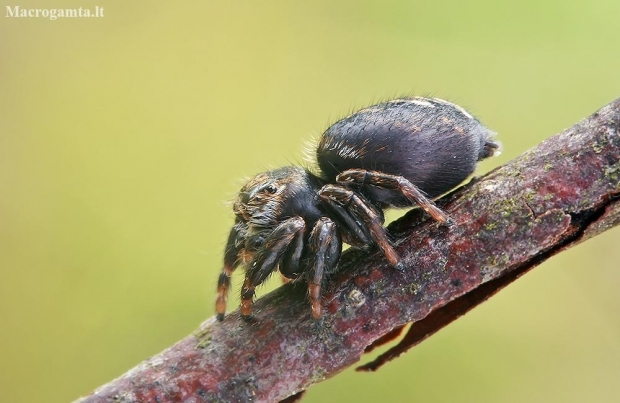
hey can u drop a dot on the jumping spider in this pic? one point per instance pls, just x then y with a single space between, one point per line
399 153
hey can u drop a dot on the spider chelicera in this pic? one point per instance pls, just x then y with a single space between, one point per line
399 153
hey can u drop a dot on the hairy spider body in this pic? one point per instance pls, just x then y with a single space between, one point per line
432 143
394 154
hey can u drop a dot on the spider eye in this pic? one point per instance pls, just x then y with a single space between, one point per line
271 189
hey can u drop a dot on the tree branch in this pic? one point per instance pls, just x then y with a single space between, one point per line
560 193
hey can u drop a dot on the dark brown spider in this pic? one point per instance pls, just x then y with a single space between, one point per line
399 153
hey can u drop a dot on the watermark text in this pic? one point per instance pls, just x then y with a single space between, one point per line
54 13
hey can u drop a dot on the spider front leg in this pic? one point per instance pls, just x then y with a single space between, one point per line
325 247
351 207
397 183
268 257
234 247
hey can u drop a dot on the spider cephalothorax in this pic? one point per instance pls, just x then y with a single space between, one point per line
398 153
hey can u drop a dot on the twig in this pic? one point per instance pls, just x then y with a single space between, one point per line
562 192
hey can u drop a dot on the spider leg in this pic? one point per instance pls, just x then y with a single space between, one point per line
267 258
360 232
358 209
234 247
291 262
325 247
284 279
361 177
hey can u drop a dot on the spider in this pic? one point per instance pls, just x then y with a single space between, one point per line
399 153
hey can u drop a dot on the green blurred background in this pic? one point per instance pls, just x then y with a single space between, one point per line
122 137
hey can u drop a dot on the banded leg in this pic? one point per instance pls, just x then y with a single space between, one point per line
359 210
325 248
234 247
291 267
358 233
267 258
400 184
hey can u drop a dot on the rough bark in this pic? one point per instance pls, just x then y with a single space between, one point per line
560 193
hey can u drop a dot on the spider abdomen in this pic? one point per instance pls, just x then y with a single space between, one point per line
432 143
